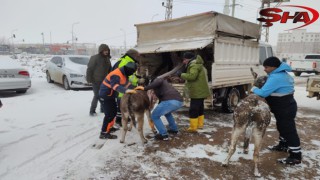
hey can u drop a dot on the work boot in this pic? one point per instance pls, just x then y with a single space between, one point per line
113 129
92 113
281 147
172 132
161 137
294 158
200 122
105 135
193 125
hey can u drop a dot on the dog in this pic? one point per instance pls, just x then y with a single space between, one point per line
135 106
252 116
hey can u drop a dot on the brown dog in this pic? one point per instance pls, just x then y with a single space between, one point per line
252 116
135 106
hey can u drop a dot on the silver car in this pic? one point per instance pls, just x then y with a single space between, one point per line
13 77
68 70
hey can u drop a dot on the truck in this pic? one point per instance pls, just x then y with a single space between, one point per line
313 86
229 47
310 64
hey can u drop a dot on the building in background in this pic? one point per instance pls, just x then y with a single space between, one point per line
297 43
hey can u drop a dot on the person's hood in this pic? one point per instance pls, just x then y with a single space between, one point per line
103 47
283 67
199 60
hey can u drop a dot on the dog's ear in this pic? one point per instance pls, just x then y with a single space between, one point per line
254 74
260 81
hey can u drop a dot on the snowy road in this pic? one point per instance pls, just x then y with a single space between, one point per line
44 128
48 134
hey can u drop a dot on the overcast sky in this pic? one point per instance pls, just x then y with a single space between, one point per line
101 21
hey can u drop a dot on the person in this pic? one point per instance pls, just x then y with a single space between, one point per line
98 67
198 89
132 55
115 82
278 92
169 101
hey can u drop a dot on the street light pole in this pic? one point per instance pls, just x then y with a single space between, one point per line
13 36
72 38
125 40
42 42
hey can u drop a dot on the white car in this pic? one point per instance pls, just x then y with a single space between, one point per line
68 70
13 77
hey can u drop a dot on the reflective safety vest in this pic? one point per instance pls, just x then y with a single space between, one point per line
107 87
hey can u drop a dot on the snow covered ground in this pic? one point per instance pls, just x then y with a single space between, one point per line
47 133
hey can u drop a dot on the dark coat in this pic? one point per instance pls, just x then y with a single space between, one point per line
99 66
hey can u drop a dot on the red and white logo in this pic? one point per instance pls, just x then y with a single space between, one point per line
271 15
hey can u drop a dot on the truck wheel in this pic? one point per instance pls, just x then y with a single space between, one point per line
297 73
231 100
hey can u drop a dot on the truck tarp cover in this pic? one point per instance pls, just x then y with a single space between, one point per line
191 32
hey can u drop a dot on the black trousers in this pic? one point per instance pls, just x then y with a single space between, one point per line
110 111
196 108
94 102
285 109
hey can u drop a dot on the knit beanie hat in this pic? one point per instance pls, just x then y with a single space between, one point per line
272 62
189 55
130 68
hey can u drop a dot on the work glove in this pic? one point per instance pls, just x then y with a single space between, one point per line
130 91
253 88
139 88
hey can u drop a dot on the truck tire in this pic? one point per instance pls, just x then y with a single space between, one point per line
297 73
231 100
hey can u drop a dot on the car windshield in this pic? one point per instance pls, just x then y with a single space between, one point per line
80 60
313 57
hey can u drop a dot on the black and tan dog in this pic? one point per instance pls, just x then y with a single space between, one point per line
135 106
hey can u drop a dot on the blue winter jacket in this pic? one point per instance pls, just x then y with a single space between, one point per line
279 83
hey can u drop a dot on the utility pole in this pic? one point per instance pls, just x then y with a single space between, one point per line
226 9
168 7
264 31
233 6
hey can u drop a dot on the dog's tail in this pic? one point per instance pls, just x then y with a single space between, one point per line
131 113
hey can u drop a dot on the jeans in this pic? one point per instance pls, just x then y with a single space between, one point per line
165 108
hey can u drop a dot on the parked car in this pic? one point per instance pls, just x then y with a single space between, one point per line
13 77
310 64
68 70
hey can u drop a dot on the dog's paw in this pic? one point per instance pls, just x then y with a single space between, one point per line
224 164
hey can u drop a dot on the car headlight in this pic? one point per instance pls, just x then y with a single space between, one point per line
76 75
